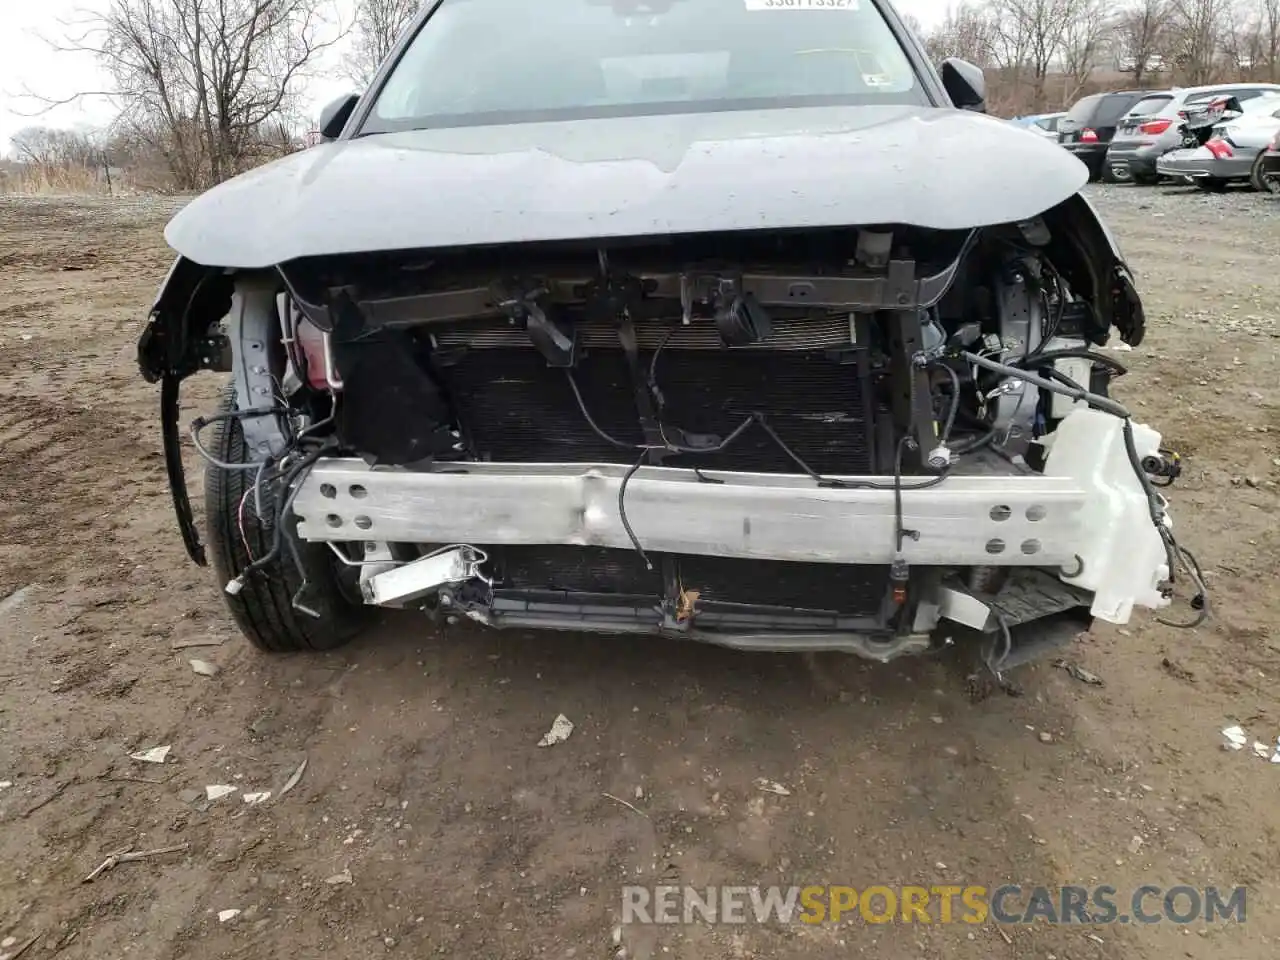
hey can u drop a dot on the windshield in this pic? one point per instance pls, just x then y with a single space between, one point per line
511 61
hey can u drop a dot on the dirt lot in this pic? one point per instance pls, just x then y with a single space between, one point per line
423 779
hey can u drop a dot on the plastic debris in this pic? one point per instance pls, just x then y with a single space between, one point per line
772 786
14 600
1135 845
561 727
204 668
260 797
339 878
5 784
1261 749
216 791
293 778
1236 738
1046 736
1079 673
153 755
225 915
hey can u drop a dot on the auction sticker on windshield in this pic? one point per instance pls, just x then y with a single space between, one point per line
801 4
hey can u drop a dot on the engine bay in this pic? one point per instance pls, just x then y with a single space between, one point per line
882 364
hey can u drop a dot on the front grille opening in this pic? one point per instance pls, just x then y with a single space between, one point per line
818 587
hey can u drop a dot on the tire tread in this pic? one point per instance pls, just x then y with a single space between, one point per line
263 609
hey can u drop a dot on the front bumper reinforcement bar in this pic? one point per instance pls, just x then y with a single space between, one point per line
968 520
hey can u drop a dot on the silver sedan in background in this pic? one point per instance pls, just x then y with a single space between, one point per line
1233 153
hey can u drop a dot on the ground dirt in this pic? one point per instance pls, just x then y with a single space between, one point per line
423 778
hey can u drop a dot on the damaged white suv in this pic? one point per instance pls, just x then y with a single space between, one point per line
726 320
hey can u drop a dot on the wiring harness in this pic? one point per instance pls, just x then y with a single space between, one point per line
279 478
1178 557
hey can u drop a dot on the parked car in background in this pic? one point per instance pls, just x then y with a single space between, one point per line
1087 128
1153 127
1233 151
1044 124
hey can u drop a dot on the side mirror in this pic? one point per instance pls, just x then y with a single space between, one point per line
336 114
965 84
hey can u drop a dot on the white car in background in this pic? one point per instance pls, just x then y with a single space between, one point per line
1234 151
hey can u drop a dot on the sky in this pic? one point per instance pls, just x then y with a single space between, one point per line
29 63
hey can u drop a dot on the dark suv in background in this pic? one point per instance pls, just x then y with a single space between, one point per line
1091 122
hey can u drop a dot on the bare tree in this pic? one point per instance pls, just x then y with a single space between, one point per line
1084 38
50 147
1249 38
1271 37
1030 35
1141 35
912 23
1195 28
967 32
199 79
378 25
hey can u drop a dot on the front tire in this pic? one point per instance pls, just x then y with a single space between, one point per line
263 609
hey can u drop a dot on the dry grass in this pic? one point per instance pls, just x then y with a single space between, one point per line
30 180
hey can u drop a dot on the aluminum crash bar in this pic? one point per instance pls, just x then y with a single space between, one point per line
964 521
1087 516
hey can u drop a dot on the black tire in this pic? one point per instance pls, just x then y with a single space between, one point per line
1211 184
1261 182
263 609
1109 175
